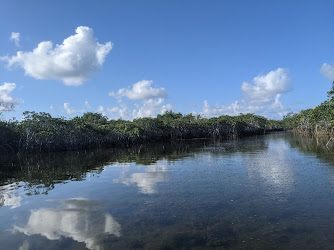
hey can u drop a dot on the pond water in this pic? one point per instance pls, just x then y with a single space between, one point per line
262 192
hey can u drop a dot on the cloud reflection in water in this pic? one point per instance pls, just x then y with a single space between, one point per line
78 218
272 166
145 181
8 197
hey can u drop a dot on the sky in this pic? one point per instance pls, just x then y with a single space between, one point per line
130 59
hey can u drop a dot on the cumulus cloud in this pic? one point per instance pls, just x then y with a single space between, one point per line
141 90
70 62
261 96
328 71
71 111
7 102
15 37
151 108
217 110
148 108
152 101
117 112
265 88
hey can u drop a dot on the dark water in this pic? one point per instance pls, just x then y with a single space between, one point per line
264 192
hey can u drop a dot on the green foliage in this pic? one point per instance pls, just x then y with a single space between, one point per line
319 120
330 94
40 132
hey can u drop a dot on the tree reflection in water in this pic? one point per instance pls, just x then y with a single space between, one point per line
264 192
38 174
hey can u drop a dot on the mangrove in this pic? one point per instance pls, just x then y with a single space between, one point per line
40 132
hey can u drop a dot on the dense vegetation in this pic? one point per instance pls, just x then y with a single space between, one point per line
40 132
319 120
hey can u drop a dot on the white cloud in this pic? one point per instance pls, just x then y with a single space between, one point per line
71 62
261 97
7 102
116 112
141 90
217 110
152 100
328 71
148 108
265 88
15 37
71 111
100 109
166 107
151 108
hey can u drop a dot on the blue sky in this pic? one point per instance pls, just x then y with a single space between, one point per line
138 58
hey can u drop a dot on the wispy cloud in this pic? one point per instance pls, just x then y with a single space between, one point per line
71 111
15 37
87 105
327 71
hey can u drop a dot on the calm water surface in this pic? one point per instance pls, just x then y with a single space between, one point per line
265 192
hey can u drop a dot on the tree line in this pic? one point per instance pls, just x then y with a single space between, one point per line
319 120
40 132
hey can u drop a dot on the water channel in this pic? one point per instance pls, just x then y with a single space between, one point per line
271 191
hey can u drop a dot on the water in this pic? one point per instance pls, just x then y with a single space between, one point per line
263 192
